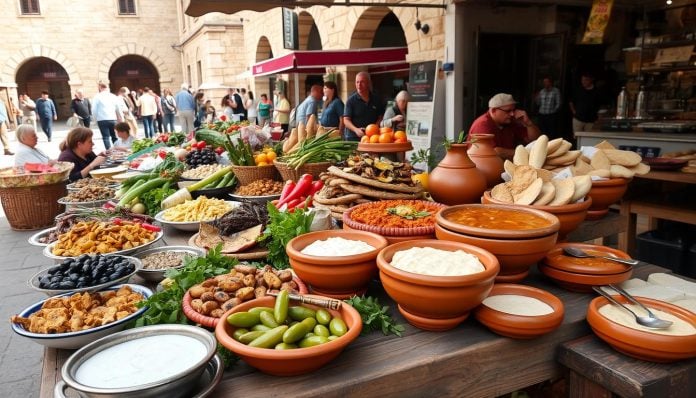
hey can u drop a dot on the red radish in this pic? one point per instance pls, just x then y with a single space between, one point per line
287 188
316 187
302 188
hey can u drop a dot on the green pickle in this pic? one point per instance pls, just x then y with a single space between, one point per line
323 317
285 346
297 332
338 327
332 338
313 341
299 313
259 310
260 328
280 311
237 333
270 339
243 319
321 330
248 337
267 319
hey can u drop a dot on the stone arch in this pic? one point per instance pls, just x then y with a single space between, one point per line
12 64
306 23
133 49
365 24
263 49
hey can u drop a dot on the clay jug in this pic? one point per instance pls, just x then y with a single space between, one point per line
482 153
456 180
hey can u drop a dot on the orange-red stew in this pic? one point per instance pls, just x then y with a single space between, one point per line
491 218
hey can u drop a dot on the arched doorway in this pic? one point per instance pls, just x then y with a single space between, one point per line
41 73
264 84
134 72
389 33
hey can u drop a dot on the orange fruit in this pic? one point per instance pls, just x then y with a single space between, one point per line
365 139
383 130
385 138
422 178
271 156
400 134
261 158
400 140
374 139
371 129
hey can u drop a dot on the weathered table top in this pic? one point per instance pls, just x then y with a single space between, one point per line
468 360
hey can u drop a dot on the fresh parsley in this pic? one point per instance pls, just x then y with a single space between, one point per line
282 227
165 306
407 212
374 316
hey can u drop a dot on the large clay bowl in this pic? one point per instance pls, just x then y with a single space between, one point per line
640 344
396 239
516 256
582 283
436 303
521 326
393 234
604 194
442 218
289 362
335 276
570 215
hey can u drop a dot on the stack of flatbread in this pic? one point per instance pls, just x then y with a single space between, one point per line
689 156
343 190
556 155
530 186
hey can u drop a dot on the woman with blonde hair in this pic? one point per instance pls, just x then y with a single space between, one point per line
77 149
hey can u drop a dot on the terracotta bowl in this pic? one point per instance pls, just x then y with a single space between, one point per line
442 219
289 362
521 326
339 276
640 344
582 283
396 233
396 239
516 256
604 194
570 215
593 266
436 303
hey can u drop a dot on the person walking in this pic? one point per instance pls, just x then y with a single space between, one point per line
168 110
106 108
281 112
251 108
584 104
362 108
549 101
127 107
199 98
28 108
46 110
148 111
81 108
238 111
4 119
186 107
264 108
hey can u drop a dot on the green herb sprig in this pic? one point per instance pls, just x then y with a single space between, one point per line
375 316
282 227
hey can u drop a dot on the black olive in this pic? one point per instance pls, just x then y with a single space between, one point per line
74 277
56 279
104 279
80 285
53 285
53 270
66 285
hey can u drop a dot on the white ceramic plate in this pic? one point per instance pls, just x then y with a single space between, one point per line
187 225
107 172
74 340
48 250
34 239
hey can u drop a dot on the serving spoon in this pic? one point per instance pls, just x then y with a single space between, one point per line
650 321
579 253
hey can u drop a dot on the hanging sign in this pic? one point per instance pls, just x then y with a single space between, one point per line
289 29
598 21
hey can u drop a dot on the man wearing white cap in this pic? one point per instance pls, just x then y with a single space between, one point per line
511 126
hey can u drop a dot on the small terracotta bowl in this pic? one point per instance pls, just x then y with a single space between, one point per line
442 218
516 256
436 303
521 326
604 193
640 344
339 276
289 362
593 266
582 283
570 215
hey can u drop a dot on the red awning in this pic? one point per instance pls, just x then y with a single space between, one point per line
318 61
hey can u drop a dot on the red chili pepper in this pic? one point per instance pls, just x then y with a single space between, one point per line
109 205
302 188
287 188
292 203
162 154
117 221
150 227
316 187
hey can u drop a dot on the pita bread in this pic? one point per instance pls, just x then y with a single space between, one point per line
377 193
537 156
523 178
583 184
509 167
640 169
605 145
501 193
623 158
564 192
528 196
600 161
548 191
374 183
581 167
242 240
564 160
521 156
618 171
604 173
545 175
562 149
554 145
337 200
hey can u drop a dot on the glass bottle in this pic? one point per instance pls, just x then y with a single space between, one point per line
622 104
640 104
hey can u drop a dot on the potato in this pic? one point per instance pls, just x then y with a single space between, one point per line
196 291
197 305
285 275
221 296
272 280
249 280
231 303
245 293
208 296
209 306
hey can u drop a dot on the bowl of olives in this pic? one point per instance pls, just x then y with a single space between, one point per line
86 273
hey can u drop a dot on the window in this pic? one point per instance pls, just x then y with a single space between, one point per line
30 7
126 7
199 69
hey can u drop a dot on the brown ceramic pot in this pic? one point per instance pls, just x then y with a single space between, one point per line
604 194
641 344
436 303
570 215
482 153
289 362
582 283
516 256
456 179
442 218
521 326
335 276
556 258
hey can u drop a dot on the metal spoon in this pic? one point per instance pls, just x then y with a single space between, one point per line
650 321
575 252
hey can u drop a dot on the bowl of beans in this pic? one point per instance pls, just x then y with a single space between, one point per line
260 191
160 259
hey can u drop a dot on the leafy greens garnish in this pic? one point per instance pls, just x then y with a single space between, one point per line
374 316
282 227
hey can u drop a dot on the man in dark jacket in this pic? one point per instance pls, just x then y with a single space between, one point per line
46 111
82 108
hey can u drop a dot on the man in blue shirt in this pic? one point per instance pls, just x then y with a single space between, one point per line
186 107
362 108
46 110
310 106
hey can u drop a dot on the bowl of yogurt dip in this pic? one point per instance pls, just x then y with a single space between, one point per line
336 263
436 283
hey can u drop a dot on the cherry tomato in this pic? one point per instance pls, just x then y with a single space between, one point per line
219 150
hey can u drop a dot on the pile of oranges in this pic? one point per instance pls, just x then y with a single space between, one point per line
265 157
382 135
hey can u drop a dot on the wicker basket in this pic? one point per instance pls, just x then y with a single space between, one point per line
248 174
288 173
34 207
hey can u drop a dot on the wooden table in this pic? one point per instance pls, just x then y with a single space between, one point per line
649 202
466 361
